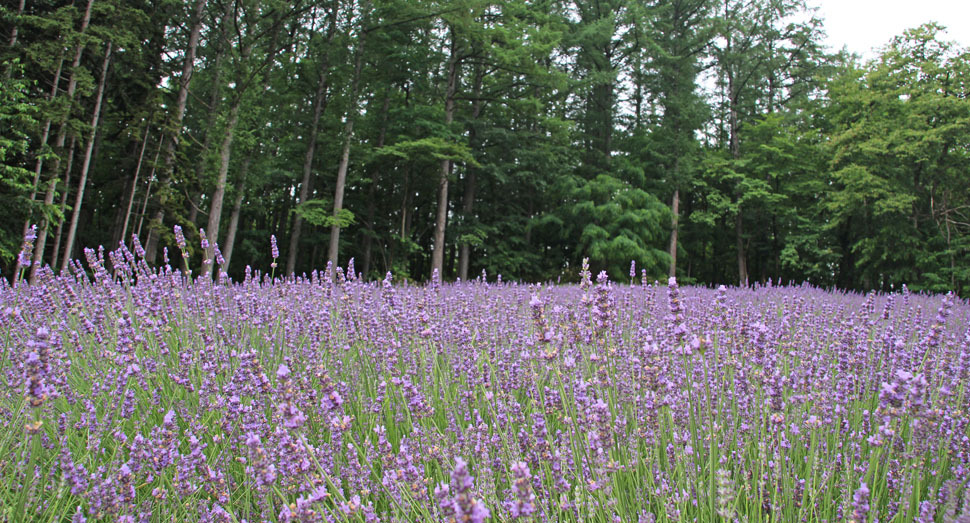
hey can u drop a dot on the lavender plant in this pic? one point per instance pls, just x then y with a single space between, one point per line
135 393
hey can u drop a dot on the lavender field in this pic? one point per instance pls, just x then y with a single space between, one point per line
134 394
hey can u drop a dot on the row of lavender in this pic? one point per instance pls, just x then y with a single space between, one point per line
137 394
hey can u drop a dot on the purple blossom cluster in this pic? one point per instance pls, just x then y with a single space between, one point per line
138 394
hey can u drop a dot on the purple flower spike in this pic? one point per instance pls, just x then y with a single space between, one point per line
860 503
456 499
179 237
522 503
28 247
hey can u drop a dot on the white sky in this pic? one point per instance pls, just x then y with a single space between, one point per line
863 25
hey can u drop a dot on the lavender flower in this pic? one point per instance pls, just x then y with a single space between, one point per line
522 501
38 368
23 259
180 239
456 500
172 398
860 504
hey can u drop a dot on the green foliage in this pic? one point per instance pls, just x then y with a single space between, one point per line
573 126
896 162
17 115
614 222
427 150
320 213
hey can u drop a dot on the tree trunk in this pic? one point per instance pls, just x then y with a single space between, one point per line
736 154
675 210
13 30
194 203
219 195
230 242
338 194
168 164
7 70
319 104
215 97
372 190
742 260
148 192
62 131
134 185
45 134
468 198
438 254
63 204
225 152
76 211
41 241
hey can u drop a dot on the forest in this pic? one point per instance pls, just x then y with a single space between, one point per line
715 141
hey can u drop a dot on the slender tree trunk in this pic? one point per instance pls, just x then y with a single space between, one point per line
372 190
319 104
62 131
45 134
49 197
953 261
468 198
194 203
58 235
230 242
148 191
438 254
13 30
225 151
7 69
405 204
468 201
219 195
233 227
742 260
134 185
76 211
338 195
215 97
168 164
41 241
739 217
674 227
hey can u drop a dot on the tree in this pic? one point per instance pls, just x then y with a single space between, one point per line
896 165
168 161
16 113
338 220
764 58
680 32
319 105
82 183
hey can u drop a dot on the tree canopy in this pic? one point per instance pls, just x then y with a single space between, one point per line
718 142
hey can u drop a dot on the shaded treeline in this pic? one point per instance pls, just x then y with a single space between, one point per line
712 140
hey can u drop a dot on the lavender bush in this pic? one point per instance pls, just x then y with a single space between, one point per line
134 394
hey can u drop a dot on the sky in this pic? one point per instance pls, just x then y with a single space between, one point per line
863 25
